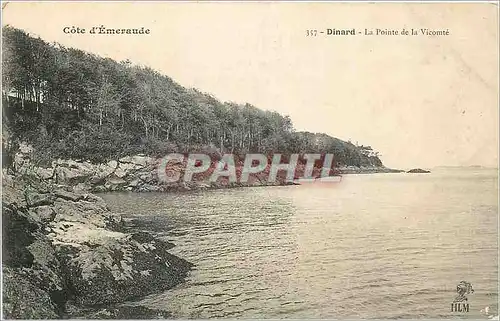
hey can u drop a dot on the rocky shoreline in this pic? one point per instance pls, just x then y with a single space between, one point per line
66 255
139 173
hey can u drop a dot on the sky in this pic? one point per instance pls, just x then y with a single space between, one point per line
421 101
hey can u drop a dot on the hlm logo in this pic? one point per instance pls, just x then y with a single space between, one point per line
460 303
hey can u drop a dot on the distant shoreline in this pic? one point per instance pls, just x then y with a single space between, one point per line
368 170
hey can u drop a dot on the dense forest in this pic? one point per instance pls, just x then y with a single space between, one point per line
73 104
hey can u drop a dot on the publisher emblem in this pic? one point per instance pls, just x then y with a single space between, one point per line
460 303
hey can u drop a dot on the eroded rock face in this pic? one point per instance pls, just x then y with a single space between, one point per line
61 245
33 284
137 173
128 173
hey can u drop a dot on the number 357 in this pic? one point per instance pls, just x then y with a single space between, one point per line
311 32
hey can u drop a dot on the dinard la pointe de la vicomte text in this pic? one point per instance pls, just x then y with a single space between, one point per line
379 32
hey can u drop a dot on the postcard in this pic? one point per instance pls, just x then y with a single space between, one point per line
250 160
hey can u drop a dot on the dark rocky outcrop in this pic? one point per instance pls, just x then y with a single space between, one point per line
418 171
63 249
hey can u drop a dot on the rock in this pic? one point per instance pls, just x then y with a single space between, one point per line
60 244
34 199
71 176
114 183
120 269
81 188
23 300
112 164
142 237
184 186
204 185
134 183
20 162
82 212
45 173
126 159
141 161
146 177
128 167
120 172
45 273
130 171
102 171
118 311
44 213
99 189
148 188
418 171
69 196
12 195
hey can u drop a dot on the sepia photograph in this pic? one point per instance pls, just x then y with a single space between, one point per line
250 160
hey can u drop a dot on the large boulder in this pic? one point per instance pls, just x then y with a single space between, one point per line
102 171
120 172
71 172
65 175
115 269
91 211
